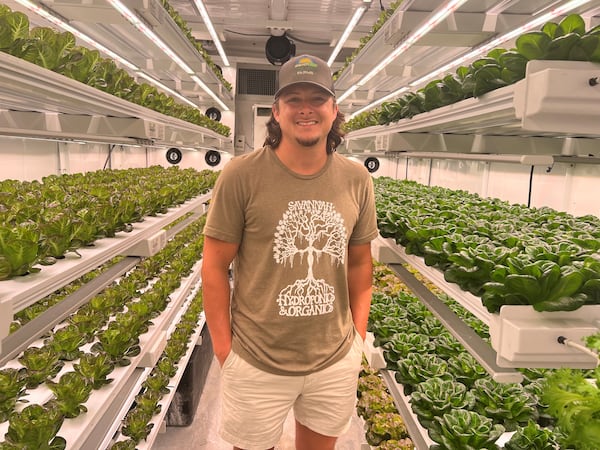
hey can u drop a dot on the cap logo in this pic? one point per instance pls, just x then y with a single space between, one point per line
305 65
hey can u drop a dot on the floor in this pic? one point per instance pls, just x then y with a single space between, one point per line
202 433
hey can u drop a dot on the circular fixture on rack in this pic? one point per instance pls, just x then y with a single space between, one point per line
213 113
372 164
279 49
212 158
174 155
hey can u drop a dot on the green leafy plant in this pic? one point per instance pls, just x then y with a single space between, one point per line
118 343
567 40
66 342
136 424
166 366
128 444
95 368
532 437
157 382
36 427
41 363
402 344
18 249
576 405
148 402
57 51
464 430
435 397
465 369
12 386
71 391
505 403
385 426
417 368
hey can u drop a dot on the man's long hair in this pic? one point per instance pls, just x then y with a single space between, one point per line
334 138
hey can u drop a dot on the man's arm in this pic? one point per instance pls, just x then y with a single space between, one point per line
360 280
216 258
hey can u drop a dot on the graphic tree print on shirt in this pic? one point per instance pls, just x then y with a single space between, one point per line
308 230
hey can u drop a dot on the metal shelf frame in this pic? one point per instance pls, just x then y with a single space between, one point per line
36 102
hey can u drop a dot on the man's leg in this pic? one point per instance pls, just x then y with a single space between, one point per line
307 439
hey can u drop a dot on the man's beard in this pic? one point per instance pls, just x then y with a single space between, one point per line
311 142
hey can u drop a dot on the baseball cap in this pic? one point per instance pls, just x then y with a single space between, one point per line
305 69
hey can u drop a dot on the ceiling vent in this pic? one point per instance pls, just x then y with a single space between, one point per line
256 82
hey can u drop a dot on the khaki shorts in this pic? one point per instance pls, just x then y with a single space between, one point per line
255 403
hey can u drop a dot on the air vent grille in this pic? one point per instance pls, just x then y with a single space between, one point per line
256 82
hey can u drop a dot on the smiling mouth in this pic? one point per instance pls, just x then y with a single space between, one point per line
307 123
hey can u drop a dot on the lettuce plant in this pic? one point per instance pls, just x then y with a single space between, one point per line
374 401
127 444
118 343
148 402
435 397
385 426
71 391
95 368
532 437
66 342
166 366
157 382
505 403
576 405
12 386
18 249
136 424
464 430
41 363
465 368
416 368
35 427
401 344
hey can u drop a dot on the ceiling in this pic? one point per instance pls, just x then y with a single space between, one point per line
315 26
244 26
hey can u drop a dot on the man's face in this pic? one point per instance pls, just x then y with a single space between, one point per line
305 114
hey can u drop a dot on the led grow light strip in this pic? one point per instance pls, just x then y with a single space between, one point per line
478 51
166 88
136 22
141 26
211 30
344 37
64 25
483 49
438 15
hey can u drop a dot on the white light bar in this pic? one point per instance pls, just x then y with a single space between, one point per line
135 21
211 30
200 83
394 94
484 49
438 15
166 88
342 40
65 26
481 50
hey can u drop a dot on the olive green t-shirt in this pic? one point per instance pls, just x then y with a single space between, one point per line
290 311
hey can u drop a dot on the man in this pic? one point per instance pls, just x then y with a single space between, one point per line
296 219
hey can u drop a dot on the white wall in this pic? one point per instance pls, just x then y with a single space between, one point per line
573 188
30 159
